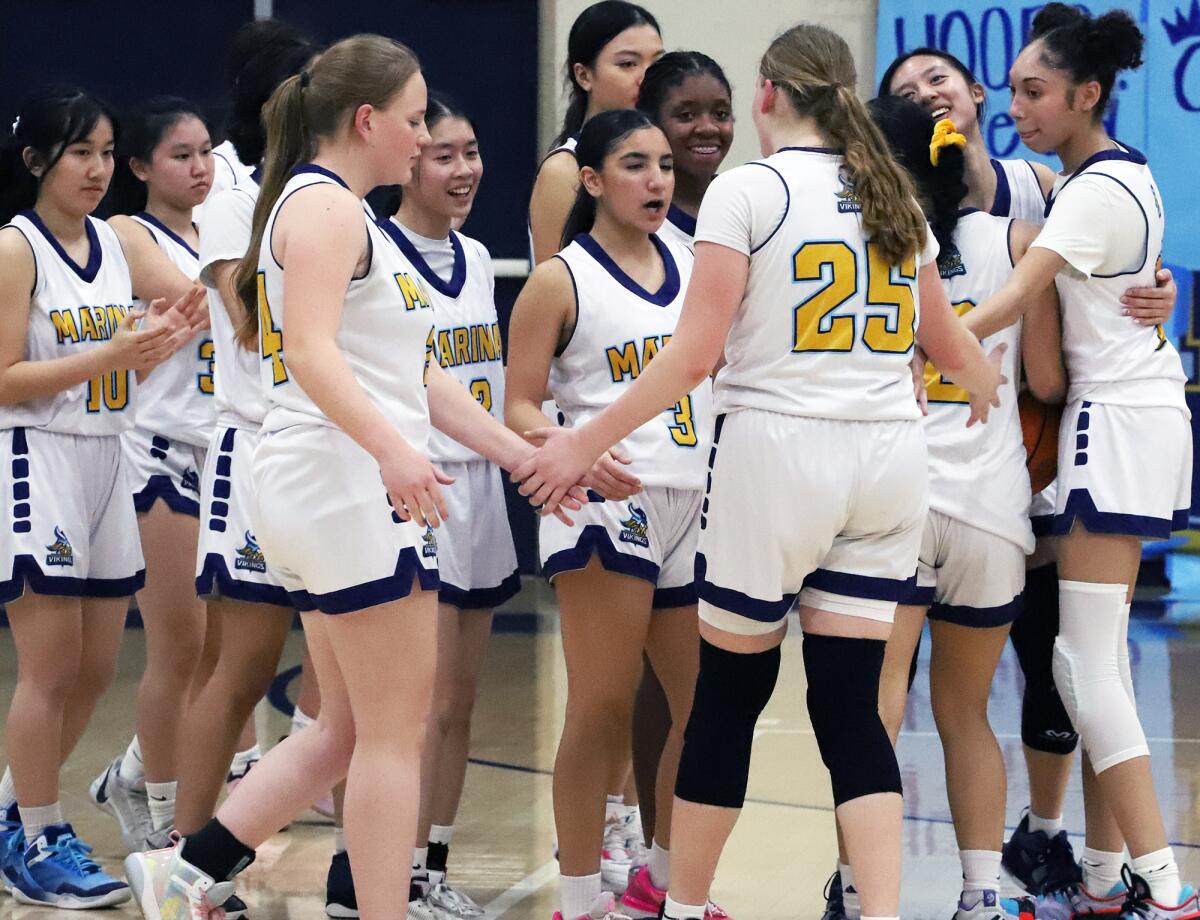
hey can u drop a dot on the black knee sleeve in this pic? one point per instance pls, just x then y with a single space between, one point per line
843 704
731 691
1045 725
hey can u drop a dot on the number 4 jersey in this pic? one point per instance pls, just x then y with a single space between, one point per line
76 308
826 325
619 327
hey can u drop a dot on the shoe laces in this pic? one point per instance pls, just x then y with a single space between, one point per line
1137 901
833 890
455 900
75 853
1061 869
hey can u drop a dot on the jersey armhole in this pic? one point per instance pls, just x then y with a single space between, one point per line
32 252
1012 260
559 352
1145 228
1037 180
787 205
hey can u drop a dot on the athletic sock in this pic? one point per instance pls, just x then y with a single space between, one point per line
8 791
850 902
1101 870
132 772
660 866
1161 873
339 840
1049 826
577 894
439 852
162 804
981 870
673 910
216 852
300 720
243 761
36 820
419 860
616 800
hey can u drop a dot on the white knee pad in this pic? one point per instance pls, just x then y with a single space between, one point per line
1093 622
1123 656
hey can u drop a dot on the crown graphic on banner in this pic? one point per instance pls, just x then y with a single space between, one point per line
1184 26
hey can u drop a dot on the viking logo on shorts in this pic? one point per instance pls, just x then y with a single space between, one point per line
250 557
60 551
190 480
429 550
633 529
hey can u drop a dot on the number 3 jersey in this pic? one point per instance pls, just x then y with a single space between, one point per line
619 327
457 272
76 308
826 325
977 475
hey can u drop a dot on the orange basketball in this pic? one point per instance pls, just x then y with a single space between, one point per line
1039 429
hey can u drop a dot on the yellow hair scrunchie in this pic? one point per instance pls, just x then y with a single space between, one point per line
944 135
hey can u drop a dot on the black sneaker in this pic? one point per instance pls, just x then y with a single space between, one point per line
234 907
1039 863
340 902
835 908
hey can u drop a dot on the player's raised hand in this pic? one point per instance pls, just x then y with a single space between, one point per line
140 349
191 309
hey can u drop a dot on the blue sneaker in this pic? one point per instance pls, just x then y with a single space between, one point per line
57 869
988 905
340 901
1076 901
12 842
1035 863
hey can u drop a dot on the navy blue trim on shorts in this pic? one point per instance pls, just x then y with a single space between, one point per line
978 617
680 596
1043 525
372 593
214 581
736 602
480 598
868 587
594 538
159 486
919 596
1081 506
26 571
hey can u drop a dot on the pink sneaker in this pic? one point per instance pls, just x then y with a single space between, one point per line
715 912
641 899
604 908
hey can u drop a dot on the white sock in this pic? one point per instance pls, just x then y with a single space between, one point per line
1101 870
420 857
673 910
300 720
660 866
339 840
616 800
8 791
850 901
441 833
577 893
162 804
1161 874
1048 826
131 770
243 761
613 810
36 820
981 870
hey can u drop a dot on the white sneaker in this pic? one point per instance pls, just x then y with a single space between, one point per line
603 908
167 888
420 910
452 903
130 806
615 859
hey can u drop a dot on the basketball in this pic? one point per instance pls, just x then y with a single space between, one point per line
1039 430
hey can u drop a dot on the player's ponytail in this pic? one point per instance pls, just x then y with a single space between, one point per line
306 108
600 136
814 66
1089 47
145 131
917 142
48 122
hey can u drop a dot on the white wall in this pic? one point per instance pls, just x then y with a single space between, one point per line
733 32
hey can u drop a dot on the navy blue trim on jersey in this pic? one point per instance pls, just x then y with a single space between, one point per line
683 221
159 486
1145 221
480 598
1002 202
313 168
753 608
167 231
95 253
458 277
574 287
256 176
919 596
830 151
681 596
372 593
667 291
27 573
1122 153
594 539
868 587
1043 525
1008 242
787 203
977 617
214 581
1081 507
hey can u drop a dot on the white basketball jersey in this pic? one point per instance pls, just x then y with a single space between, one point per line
385 335
619 327
176 399
977 475
466 329
1109 357
76 308
225 235
679 228
1018 192
826 326
228 171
